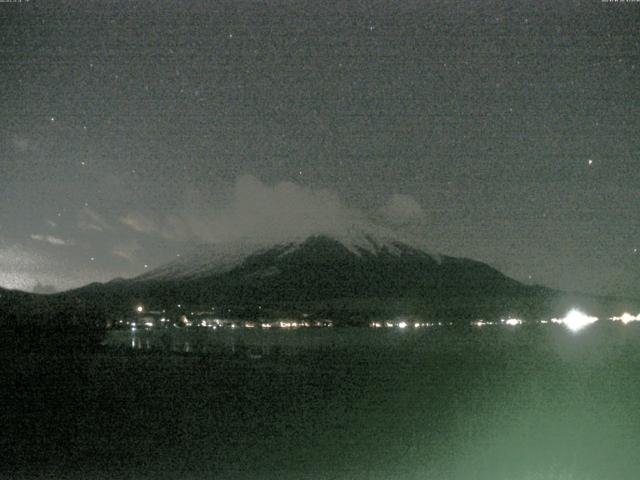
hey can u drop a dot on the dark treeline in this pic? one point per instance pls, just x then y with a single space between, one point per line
31 322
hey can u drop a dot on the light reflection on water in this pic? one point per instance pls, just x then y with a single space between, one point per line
494 403
490 403
256 343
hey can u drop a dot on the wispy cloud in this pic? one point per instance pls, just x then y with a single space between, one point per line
402 210
89 219
51 239
126 250
140 223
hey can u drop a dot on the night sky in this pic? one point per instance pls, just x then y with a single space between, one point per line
505 132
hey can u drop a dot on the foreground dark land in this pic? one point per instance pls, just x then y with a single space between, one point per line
496 403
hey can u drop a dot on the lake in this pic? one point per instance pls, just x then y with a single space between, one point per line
524 402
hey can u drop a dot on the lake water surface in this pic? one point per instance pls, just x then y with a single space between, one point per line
491 403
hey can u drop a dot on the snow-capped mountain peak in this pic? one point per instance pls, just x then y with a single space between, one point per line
212 259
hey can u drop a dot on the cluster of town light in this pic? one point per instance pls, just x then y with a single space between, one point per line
217 323
402 324
196 320
574 320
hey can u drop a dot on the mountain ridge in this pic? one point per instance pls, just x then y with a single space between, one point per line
319 276
320 270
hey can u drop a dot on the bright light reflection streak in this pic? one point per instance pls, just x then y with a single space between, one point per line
575 320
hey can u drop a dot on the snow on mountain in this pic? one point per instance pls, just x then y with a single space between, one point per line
212 259
204 260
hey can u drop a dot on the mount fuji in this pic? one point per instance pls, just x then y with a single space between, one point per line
350 278
355 276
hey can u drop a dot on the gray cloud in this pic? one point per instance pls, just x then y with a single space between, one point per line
402 210
263 213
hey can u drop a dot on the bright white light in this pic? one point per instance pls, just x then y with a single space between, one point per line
626 318
149 324
512 322
575 320
139 309
402 324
